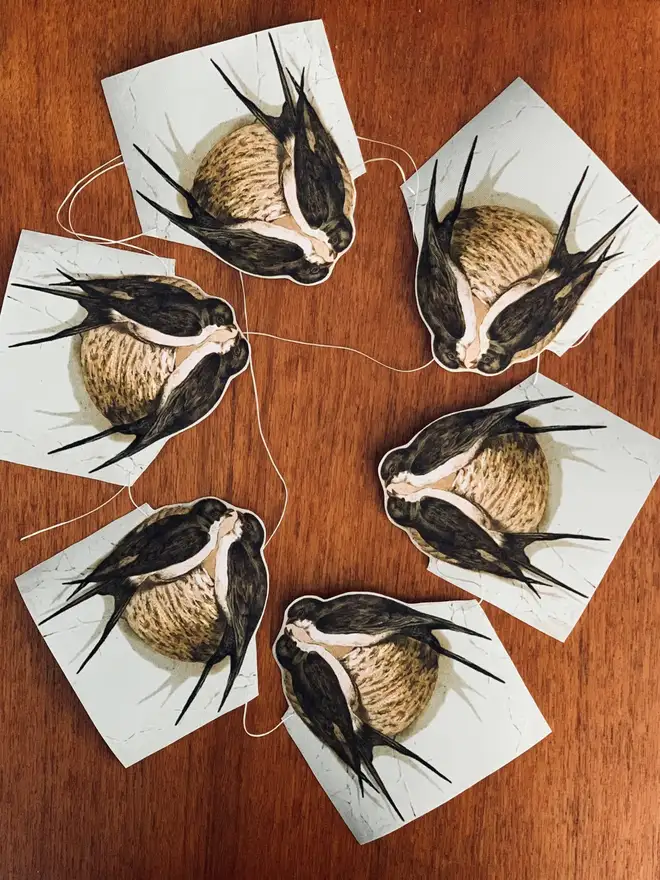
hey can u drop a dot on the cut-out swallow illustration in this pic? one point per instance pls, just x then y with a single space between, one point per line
531 312
324 697
453 529
189 395
241 587
444 296
313 170
255 247
361 619
151 308
295 221
162 548
451 442
486 333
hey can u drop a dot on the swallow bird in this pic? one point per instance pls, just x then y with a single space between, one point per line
444 296
513 322
313 170
152 309
531 312
364 619
455 530
189 395
162 548
453 441
326 700
255 247
241 588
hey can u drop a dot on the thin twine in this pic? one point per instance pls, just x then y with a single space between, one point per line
341 348
388 144
72 195
261 431
67 522
388 159
348 347
582 338
570 348
268 732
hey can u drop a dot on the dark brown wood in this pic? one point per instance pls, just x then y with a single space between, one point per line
583 804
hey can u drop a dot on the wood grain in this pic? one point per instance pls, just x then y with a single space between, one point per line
583 804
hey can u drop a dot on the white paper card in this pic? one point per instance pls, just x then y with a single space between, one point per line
132 693
599 481
177 108
529 159
43 399
472 727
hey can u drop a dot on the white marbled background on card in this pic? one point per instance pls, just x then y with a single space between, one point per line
43 399
177 108
132 694
472 727
529 159
599 481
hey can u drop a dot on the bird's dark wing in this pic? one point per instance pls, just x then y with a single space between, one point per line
248 589
246 598
190 401
456 433
437 291
538 313
281 126
259 254
152 547
324 706
319 182
372 615
454 533
163 307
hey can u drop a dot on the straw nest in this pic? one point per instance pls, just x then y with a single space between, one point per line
496 246
395 680
180 619
240 177
122 374
509 480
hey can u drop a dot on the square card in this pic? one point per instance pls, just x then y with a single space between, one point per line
528 159
45 404
132 694
177 108
472 727
599 481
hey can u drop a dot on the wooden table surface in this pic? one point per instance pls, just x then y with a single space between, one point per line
584 803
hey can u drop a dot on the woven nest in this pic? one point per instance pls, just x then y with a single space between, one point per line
240 177
395 681
497 246
180 619
509 480
122 374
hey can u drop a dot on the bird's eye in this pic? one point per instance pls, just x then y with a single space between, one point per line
447 356
340 234
310 273
491 364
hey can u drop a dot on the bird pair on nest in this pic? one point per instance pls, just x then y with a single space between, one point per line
493 287
274 198
157 355
150 577
471 489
